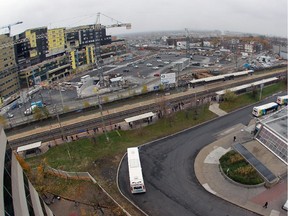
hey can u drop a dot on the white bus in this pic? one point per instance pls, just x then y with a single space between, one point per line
282 100
135 171
264 109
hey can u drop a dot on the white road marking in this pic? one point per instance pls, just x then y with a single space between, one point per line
207 187
214 156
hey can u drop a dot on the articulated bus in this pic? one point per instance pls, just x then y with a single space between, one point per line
135 171
282 100
264 109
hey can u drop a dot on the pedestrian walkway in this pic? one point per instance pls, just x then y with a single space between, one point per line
214 107
252 198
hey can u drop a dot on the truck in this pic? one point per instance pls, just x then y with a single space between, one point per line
30 110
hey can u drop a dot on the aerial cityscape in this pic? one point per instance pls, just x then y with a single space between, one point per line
144 108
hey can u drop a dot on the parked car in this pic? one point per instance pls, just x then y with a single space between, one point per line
126 70
10 115
155 68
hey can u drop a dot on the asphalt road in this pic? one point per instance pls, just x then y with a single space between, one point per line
168 170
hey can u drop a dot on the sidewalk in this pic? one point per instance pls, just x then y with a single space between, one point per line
252 198
208 173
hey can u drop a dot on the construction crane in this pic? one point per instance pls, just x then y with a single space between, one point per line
9 26
97 43
187 43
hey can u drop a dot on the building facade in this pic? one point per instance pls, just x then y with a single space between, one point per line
56 40
9 81
31 47
18 197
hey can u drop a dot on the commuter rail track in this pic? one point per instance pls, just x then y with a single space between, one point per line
114 118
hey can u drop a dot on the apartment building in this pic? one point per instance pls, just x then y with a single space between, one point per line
9 81
31 47
18 197
56 40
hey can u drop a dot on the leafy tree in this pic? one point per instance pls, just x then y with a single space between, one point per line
66 108
229 96
144 89
45 112
37 113
3 121
25 166
254 92
86 104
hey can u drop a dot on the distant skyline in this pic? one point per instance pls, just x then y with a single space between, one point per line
264 17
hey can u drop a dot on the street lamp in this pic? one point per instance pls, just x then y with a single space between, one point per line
102 119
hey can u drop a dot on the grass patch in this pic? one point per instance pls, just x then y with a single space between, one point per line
84 152
236 168
248 98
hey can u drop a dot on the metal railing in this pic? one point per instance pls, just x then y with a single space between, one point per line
70 175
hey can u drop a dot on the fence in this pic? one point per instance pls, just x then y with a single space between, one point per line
70 175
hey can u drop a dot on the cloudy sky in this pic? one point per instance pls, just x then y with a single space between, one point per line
268 17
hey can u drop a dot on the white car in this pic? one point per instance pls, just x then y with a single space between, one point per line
148 64
155 68
10 115
166 62
159 60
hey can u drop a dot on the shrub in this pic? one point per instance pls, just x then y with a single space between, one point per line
236 168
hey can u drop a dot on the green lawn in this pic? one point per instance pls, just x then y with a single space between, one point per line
246 99
84 151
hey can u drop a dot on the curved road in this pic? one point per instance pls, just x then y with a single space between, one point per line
168 170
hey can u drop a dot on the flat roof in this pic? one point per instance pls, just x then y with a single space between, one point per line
278 122
208 79
237 88
139 117
29 146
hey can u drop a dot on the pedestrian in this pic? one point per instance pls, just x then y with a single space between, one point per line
234 139
265 205
77 137
87 131
94 129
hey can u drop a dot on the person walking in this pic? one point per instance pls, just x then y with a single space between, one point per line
234 138
265 205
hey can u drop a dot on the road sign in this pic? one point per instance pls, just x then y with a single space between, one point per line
168 78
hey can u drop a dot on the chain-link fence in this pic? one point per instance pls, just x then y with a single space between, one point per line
70 175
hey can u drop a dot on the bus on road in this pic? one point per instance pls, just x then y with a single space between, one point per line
135 171
264 109
282 100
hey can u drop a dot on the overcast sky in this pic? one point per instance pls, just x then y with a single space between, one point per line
268 17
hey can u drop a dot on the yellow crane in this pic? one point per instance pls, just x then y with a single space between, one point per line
9 26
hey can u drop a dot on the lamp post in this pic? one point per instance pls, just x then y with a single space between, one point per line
102 119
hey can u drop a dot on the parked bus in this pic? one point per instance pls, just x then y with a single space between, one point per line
282 100
264 109
135 171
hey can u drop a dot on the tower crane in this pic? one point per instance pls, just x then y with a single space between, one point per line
10 25
97 43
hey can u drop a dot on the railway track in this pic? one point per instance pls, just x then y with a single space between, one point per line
114 118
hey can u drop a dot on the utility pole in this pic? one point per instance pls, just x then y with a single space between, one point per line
102 119
62 132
